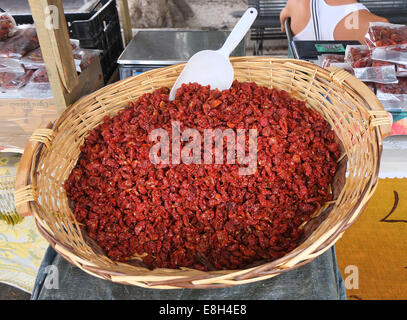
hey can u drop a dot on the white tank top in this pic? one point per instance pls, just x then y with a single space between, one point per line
324 19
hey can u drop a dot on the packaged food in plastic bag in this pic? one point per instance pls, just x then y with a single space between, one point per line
329 59
382 34
362 57
34 59
363 63
393 96
38 85
368 70
7 76
84 57
393 91
401 70
12 80
333 60
383 74
378 63
40 76
8 64
391 54
7 25
74 44
355 53
23 41
388 42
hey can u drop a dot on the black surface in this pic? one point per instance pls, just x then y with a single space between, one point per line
306 49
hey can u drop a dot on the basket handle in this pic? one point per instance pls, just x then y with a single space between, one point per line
23 192
379 116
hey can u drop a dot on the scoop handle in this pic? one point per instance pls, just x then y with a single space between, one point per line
238 32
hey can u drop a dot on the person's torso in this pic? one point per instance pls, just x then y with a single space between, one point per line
324 19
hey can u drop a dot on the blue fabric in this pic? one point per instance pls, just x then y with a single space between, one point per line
318 280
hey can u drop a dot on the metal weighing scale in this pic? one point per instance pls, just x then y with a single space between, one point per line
150 49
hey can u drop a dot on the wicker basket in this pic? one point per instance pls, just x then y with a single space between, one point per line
352 110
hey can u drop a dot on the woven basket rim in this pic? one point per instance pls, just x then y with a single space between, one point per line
231 277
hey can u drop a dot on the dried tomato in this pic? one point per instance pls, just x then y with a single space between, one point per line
204 216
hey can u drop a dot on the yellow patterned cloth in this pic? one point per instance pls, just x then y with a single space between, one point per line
21 246
21 251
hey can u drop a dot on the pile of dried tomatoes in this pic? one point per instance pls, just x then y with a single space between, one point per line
204 216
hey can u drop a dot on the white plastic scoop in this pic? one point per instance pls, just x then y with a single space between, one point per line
212 67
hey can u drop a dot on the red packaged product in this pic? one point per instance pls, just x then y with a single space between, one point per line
6 77
335 60
38 85
13 81
84 57
40 76
381 34
34 55
328 59
401 70
34 59
23 41
378 63
355 53
393 96
368 70
7 25
363 63
398 88
396 55
382 74
13 65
